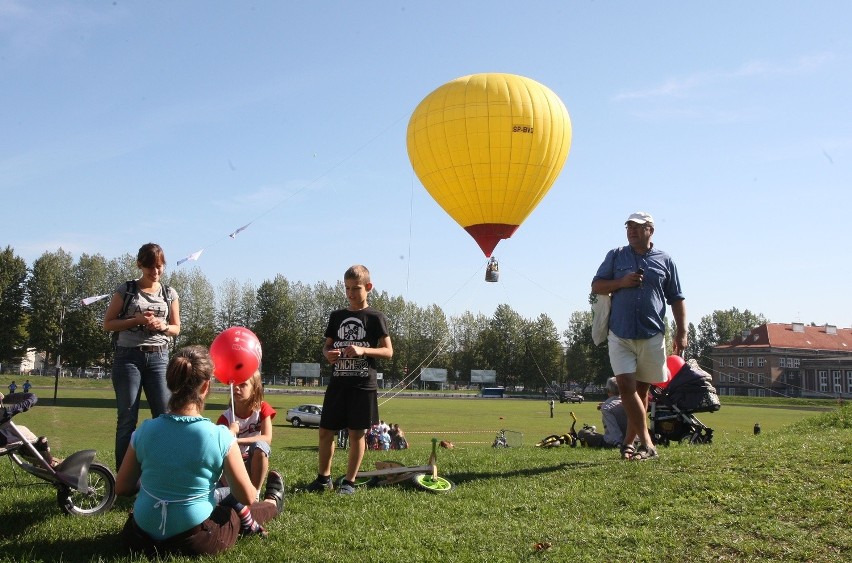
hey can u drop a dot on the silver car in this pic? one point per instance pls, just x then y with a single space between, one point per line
305 415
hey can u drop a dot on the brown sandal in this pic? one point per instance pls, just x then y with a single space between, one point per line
644 453
627 451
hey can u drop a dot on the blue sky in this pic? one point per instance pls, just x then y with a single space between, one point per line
179 122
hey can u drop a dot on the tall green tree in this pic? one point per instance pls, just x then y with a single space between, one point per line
85 343
49 300
465 349
399 322
197 307
13 311
585 362
228 311
503 343
276 325
542 363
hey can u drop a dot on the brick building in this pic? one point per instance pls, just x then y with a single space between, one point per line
792 360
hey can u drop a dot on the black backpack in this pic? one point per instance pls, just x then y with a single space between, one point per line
131 290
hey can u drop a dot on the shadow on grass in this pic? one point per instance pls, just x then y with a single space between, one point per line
103 546
464 477
27 514
299 448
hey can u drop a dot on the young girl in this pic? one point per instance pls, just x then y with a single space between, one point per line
250 420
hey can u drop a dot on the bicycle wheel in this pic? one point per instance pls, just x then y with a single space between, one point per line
551 441
99 497
425 482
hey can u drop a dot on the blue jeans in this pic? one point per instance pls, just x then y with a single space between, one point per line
133 371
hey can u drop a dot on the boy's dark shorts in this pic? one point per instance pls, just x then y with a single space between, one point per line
349 407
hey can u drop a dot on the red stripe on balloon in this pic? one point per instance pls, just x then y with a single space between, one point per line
487 235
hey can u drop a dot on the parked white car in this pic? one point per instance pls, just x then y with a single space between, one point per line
304 415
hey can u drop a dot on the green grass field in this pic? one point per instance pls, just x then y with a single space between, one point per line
783 495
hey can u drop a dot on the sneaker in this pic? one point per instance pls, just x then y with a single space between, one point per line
275 489
258 530
645 453
346 488
319 486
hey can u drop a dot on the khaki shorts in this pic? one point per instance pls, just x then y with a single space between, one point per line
645 358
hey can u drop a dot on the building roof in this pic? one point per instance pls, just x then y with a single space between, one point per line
794 335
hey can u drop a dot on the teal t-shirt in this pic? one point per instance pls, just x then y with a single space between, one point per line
181 459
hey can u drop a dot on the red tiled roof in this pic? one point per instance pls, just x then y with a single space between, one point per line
781 335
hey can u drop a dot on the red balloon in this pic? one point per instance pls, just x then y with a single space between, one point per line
236 355
674 363
664 384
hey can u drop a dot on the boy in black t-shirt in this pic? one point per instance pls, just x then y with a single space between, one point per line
354 339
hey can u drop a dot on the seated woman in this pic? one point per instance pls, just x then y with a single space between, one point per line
174 463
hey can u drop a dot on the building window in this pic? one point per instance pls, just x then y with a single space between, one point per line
730 362
751 378
740 362
795 362
721 362
849 381
761 378
781 362
761 362
823 381
838 387
750 361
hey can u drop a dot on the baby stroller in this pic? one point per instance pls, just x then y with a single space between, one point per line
672 409
83 487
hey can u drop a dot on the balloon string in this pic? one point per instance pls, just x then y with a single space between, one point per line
233 407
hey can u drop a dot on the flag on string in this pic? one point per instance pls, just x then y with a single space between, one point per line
193 256
89 300
243 228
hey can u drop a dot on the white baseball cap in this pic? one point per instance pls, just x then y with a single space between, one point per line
640 217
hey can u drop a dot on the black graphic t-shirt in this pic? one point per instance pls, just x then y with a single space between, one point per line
356 328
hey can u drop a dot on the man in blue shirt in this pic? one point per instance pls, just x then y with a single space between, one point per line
641 279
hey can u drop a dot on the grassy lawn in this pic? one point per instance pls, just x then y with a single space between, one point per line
783 495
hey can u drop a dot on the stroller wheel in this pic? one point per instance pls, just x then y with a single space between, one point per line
98 499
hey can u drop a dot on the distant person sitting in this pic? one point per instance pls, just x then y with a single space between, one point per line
614 421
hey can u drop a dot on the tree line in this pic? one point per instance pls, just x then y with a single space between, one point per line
41 309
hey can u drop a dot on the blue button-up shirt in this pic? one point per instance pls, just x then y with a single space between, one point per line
639 312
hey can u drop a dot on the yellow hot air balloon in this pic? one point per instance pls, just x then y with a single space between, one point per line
487 147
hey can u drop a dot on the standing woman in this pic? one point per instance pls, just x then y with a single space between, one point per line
145 329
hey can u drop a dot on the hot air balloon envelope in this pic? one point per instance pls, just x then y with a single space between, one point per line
488 147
